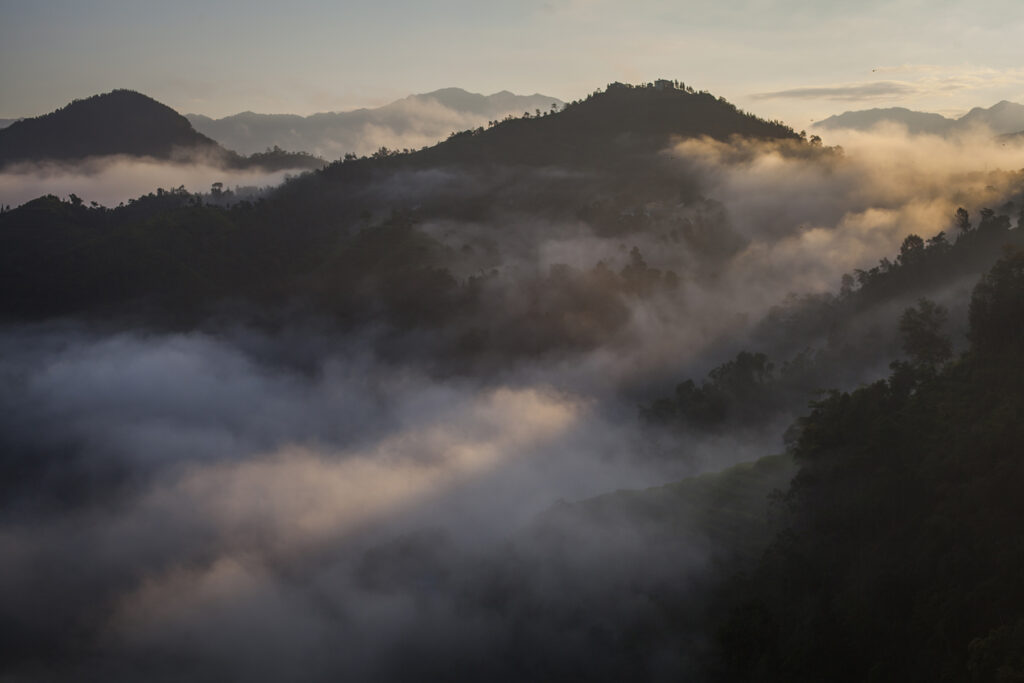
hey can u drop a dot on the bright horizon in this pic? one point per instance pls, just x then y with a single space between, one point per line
774 58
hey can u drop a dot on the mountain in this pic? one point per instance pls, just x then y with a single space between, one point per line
413 121
4 123
916 121
1002 118
118 122
622 120
123 122
311 240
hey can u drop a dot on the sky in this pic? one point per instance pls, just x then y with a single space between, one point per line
794 60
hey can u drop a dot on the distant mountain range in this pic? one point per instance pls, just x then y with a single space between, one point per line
1003 118
124 122
411 122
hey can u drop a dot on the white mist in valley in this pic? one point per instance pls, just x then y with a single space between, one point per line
109 181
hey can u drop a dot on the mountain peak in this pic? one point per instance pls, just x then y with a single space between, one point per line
118 122
620 119
1002 117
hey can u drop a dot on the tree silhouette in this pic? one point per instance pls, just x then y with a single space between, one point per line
962 220
921 331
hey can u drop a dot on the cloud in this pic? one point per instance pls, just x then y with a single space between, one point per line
111 180
242 513
852 92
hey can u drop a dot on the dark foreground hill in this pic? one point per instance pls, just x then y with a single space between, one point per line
902 550
122 122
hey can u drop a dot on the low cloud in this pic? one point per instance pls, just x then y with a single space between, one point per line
111 180
852 92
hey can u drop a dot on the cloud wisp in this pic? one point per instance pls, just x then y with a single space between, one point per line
848 92
111 180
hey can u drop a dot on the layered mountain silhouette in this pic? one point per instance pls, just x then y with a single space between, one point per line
608 126
128 123
916 122
413 121
1002 118
343 239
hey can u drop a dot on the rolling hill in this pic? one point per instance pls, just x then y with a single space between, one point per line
124 123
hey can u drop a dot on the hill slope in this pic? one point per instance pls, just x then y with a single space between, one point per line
901 560
725 509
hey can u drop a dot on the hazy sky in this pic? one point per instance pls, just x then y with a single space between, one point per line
796 60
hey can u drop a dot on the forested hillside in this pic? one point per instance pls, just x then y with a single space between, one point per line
901 554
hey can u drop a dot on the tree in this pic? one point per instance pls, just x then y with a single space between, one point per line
938 242
962 220
997 306
847 284
990 221
921 332
911 250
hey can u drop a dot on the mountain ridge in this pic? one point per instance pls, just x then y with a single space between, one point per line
1003 118
339 263
412 121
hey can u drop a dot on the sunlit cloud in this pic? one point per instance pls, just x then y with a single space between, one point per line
302 494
